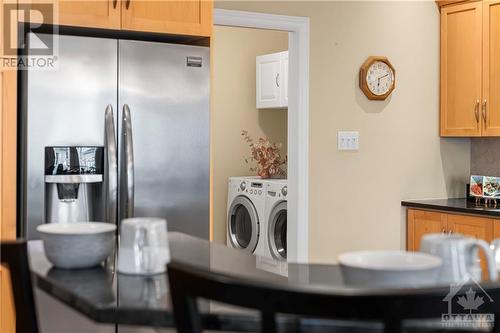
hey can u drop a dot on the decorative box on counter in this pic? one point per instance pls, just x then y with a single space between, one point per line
485 187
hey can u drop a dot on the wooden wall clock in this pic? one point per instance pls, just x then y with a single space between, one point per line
377 78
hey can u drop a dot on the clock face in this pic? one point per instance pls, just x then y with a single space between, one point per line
379 78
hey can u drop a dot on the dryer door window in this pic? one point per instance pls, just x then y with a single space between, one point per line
277 230
243 224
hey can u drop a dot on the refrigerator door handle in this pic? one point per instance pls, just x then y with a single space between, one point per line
127 174
111 164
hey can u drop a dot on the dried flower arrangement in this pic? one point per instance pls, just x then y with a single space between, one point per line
267 155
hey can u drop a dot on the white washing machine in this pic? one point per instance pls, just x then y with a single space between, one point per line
276 219
245 214
274 226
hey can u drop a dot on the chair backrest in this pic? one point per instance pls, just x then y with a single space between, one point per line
188 284
14 254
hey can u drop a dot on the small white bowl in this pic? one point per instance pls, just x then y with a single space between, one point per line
77 245
389 268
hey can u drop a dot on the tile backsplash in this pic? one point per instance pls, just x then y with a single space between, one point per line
485 156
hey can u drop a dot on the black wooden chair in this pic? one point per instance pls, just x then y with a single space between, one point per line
188 284
14 255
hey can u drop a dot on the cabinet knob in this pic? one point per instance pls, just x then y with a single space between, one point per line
115 2
127 4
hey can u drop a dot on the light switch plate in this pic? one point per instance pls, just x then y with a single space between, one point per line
348 140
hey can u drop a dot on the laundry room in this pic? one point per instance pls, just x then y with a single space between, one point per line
249 139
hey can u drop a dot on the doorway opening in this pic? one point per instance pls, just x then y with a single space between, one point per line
296 119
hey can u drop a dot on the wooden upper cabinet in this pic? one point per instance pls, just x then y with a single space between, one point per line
92 14
461 50
181 17
187 17
104 14
490 103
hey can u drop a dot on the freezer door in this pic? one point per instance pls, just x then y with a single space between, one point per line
65 106
166 89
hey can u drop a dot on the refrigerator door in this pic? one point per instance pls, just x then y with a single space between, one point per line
65 106
166 89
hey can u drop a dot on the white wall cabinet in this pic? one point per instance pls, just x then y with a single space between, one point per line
272 80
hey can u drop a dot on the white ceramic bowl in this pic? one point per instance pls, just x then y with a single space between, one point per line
389 268
77 245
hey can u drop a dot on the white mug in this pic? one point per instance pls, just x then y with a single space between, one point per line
460 257
143 246
495 247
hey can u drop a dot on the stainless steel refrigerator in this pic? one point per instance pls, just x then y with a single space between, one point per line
147 104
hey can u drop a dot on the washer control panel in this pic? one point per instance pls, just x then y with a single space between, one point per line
251 188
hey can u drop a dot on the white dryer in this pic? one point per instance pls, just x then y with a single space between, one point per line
246 208
276 219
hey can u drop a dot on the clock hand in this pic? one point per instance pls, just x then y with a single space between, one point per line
380 78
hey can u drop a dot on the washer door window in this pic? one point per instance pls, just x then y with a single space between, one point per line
243 224
277 231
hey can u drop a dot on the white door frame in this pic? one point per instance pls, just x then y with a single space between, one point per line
298 117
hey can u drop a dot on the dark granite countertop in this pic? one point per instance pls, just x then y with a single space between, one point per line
111 298
107 297
459 205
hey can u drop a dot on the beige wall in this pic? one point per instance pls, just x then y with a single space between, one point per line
234 52
355 196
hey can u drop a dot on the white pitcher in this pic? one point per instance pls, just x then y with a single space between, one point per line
460 256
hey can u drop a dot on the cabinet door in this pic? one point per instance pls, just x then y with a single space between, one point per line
94 14
461 49
476 227
187 17
491 68
7 188
421 222
268 69
7 311
103 14
496 229
283 81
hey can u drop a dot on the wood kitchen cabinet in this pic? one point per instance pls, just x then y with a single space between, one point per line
461 27
7 188
185 17
496 229
470 69
92 14
421 222
181 17
8 156
473 226
104 14
491 68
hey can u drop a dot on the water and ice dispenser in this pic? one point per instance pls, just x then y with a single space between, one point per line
74 184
